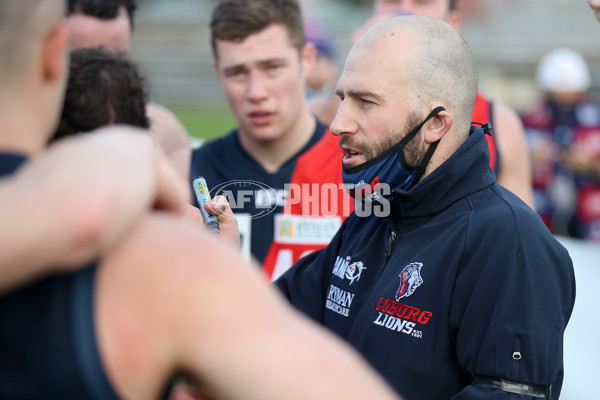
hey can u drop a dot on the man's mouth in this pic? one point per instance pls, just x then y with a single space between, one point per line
261 118
351 156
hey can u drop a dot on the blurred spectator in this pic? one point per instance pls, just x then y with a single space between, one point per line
595 6
103 89
323 75
563 132
110 24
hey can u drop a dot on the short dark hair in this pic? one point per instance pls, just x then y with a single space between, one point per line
235 20
103 9
104 88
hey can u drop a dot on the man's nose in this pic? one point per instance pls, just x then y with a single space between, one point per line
256 90
344 122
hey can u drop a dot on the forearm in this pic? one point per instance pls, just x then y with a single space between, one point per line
25 236
46 230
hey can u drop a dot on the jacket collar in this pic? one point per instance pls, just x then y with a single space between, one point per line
465 172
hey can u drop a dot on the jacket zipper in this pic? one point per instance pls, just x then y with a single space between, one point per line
388 251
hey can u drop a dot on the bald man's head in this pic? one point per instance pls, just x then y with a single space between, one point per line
428 58
23 26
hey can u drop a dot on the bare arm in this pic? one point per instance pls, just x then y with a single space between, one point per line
210 314
112 178
515 167
172 136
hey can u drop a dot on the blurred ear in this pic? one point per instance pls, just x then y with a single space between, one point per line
438 126
55 54
309 55
454 19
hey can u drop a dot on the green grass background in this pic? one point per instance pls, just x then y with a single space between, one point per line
204 123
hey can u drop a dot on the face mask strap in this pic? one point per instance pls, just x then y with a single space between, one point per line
397 148
414 132
423 165
411 135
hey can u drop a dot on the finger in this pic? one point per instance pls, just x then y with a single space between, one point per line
219 207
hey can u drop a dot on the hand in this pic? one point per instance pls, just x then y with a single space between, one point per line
228 227
219 207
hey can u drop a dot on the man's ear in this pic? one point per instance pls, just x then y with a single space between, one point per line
55 54
437 126
308 57
454 19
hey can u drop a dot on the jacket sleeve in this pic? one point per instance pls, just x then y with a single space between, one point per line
305 283
514 294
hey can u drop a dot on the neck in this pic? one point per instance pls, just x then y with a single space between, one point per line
272 155
448 145
20 130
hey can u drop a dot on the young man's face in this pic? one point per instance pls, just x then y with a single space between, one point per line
376 110
91 32
439 9
264 79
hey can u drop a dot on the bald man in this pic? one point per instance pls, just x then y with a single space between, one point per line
449 284
509 157
167 297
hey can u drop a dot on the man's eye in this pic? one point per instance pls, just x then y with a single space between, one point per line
273 67
234 73
365 102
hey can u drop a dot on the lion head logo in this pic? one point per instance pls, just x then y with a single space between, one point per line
410 280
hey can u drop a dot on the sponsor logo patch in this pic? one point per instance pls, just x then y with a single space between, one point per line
297 229
339 300
345 269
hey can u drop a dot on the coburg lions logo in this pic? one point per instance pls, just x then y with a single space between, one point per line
410 280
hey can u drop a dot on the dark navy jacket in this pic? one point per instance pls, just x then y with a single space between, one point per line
461 278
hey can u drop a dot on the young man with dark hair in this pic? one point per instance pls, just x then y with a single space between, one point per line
279 161
109 24
104 88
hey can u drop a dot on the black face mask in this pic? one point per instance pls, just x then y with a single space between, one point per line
390 167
